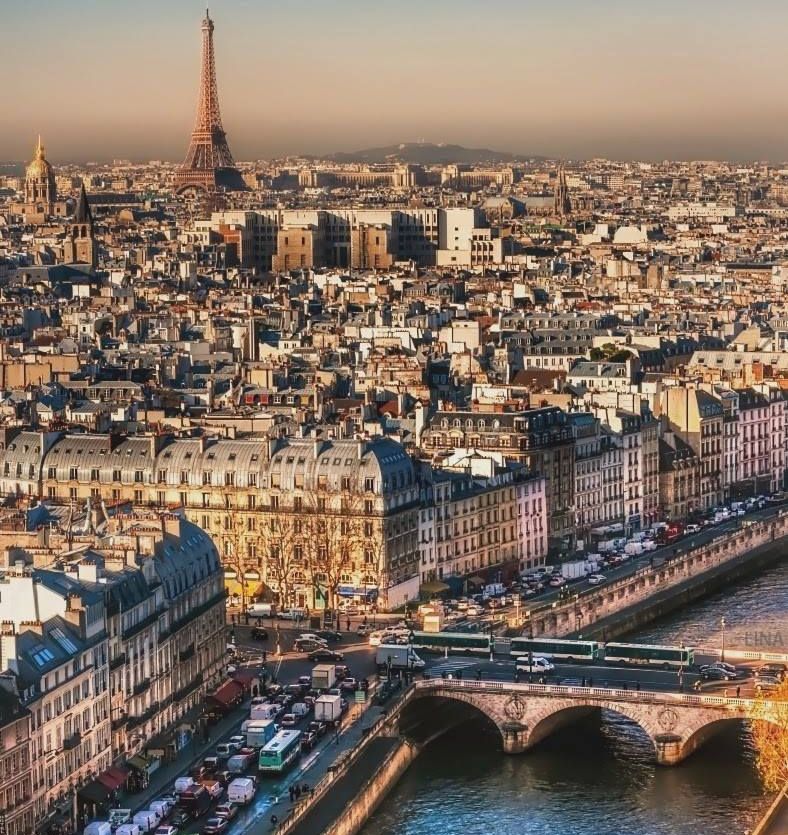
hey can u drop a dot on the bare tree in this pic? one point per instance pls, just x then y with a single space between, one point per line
335 538
282 538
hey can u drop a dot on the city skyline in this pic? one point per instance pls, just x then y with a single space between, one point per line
573 82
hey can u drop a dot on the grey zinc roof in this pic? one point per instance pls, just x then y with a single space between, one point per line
225 456
88 452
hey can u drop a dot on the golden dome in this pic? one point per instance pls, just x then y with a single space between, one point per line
39 168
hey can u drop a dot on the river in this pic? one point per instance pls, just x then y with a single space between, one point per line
597 776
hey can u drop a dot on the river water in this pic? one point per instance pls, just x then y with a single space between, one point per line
597 776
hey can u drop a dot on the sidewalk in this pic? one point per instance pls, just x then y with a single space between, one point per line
162 779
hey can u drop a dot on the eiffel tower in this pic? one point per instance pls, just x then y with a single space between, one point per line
209 165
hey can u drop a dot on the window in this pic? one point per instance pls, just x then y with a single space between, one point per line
138 476
52 472
72 473
369 485
94 475
274 502
297 503
116 475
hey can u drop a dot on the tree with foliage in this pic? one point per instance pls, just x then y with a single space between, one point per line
770 735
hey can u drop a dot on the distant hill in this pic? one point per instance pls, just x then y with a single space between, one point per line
427 153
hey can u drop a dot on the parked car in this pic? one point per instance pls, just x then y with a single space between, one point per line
228 811
324 654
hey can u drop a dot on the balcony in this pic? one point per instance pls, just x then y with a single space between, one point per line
141 687
121 722
117 661
138 627
71 742
181 694
186 654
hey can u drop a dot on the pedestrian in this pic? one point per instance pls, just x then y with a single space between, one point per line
347 625
583 682
297 791
305 788
274 820
291 790
626 686
696 686
265 656
738 691
637 685
590 682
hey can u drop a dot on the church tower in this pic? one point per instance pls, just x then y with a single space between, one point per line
80 245
40 188
562 204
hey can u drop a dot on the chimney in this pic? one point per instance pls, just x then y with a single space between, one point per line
8 659
88 571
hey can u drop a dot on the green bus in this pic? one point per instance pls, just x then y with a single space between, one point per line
281 752
555 648
464 642
651 654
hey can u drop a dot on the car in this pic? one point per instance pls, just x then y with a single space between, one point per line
289 720
363 630
308 740
238 741
317 728
774 669
716 674
225 749
308 644
310 636
596 579
341 671
304 681
180 820
324 654
259 633
166 829
228 811
349 685
215 826
474 611
766 683
329 635
557 581
729 668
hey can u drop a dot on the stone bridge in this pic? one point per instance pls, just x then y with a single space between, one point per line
676 723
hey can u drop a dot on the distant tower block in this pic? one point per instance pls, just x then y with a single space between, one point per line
562 203
209 165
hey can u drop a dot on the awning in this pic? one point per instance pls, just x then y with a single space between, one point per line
433 587
138 763
230 573
94 792
476 581
113 778
228 694
357 591
252 575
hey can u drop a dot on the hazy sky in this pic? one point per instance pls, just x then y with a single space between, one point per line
573 78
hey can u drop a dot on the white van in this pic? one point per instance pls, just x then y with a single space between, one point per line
147 820
98 828
241 790
264 711
128 829
299 710
537 665
260 610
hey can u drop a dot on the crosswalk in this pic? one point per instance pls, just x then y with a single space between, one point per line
452 665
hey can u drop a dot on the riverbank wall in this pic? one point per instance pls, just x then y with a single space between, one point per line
358 811
623 605
638 615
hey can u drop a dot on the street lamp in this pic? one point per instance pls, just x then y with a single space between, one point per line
722 654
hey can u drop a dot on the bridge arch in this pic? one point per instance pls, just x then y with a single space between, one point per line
551 717
430 715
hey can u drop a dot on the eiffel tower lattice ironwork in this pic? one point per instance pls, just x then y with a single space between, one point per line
209 165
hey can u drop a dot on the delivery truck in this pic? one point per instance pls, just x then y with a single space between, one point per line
259 732
397 657
328 708
324 676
